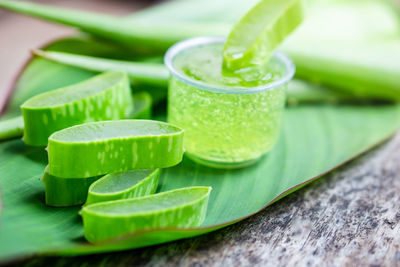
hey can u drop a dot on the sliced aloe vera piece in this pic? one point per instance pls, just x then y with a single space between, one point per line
104 97
98 148
142 102
123 185
64 192
11 128
185 207
253 39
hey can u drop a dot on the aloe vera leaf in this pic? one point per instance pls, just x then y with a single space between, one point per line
370 70
145 73
142 101
159 35
64 192
254 38
298 92
98 148
185 207
104 97
11 128
124 185
303 92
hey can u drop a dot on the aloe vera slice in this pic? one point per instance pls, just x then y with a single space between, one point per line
253 39
185 207
11 128
123 185
142 101
98 148
64 192
106 96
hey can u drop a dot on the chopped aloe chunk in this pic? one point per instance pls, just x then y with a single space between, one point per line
185 207
11 128
142 102
98 148
254 38
123 185
63 192
105 97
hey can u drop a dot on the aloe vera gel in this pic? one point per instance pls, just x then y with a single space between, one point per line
230 118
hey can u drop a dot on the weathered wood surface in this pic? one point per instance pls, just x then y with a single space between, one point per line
349 217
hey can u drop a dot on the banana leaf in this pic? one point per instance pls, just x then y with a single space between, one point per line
314 140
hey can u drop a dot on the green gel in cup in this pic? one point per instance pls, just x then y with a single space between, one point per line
181 208
124 185
230 118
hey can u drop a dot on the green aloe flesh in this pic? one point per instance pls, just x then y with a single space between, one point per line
98 148
256 35
142 101
183 208
11 128
64 192
104 97
123 185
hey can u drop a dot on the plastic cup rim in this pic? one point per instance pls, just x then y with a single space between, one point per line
196 41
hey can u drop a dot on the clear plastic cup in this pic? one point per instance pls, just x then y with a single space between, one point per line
226 127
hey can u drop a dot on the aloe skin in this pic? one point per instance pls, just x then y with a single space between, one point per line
64 192
124 185
98 148
180 208
104 97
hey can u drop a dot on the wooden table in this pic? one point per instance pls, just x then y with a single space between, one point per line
349 217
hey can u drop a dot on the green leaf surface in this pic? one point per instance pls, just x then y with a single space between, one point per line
314 140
